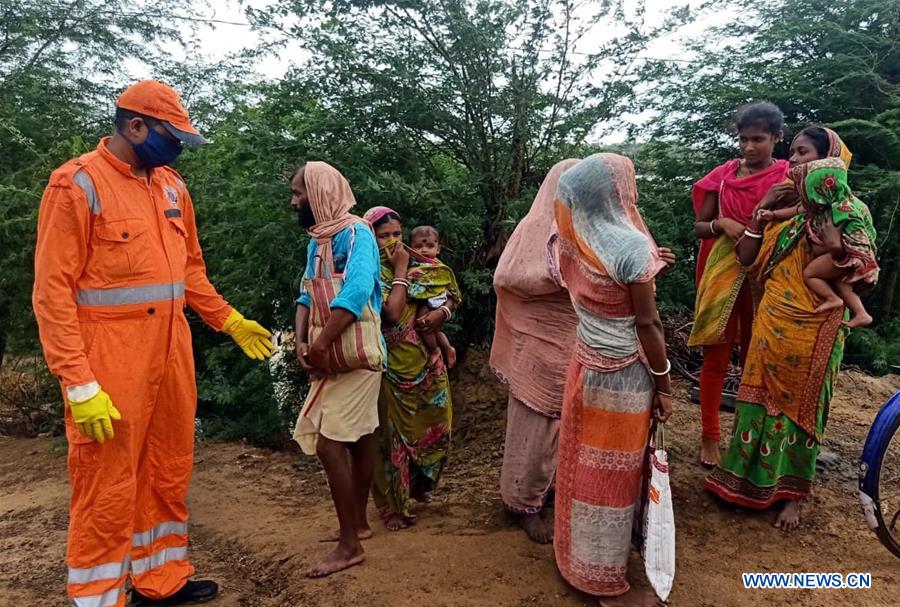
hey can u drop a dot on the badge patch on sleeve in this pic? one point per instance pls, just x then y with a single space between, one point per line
171 196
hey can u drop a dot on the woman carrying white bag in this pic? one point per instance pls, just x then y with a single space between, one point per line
618 379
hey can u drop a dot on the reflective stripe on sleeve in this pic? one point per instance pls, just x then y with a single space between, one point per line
84 181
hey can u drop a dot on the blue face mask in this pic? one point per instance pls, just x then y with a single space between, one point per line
157 150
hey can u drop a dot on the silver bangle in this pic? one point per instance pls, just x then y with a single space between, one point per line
446 311
666 372
712 228
752 234
401 282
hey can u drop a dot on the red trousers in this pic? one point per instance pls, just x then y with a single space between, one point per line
716 359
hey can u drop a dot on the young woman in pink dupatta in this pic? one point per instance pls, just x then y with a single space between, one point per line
723 201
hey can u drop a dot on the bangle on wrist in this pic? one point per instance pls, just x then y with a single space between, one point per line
712 228
401 282
663 373
751 234
661 393
446 311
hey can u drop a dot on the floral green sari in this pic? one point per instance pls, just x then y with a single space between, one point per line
414 405
786 388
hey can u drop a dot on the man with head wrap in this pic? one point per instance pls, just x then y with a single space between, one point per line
339 344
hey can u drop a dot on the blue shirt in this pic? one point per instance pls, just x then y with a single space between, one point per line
362 279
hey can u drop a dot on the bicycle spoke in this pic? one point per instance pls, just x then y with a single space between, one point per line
893 525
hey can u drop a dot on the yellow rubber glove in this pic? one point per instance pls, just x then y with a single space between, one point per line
252 337
93 417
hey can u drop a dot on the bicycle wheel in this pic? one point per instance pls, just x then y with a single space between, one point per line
879 475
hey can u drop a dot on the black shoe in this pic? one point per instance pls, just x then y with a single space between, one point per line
195 591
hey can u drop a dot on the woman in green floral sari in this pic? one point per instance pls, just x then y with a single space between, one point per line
795 353
414 405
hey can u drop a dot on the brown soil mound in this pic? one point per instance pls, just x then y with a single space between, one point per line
258 516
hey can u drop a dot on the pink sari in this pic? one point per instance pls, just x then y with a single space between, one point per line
737 196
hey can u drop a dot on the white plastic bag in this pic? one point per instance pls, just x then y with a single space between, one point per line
659 522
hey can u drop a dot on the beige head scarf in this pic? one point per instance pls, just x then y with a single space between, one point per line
523 267
535 323
330 199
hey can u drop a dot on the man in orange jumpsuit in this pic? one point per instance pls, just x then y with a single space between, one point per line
117 259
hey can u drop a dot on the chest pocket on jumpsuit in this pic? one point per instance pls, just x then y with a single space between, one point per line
177 238
122 251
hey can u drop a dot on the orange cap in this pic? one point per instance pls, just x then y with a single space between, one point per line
157 100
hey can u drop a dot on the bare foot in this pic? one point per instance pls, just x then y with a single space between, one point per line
395 522
424 497
709 453
434 360
830 304
860 320
338 560
361 534
450 355
537 528
635 597
789 518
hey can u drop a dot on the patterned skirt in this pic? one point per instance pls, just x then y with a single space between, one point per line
769 458
602 444
412 441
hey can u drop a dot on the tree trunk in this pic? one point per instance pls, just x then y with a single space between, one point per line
888 290
4 329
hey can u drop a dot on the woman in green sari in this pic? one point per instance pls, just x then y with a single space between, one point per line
794 356
414 405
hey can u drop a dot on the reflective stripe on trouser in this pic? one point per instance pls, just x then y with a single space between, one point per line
110 598
128 507
100 586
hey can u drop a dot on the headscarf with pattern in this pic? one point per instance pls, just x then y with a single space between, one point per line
794 228
601 193
836 146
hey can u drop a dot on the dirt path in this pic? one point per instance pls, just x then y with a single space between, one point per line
258 516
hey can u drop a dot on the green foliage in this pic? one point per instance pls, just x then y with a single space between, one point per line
666 172
469 103
237 399
876 351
